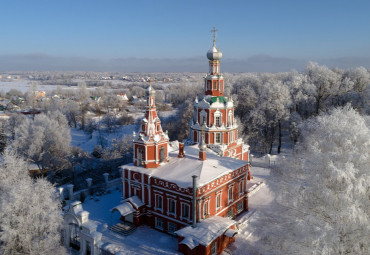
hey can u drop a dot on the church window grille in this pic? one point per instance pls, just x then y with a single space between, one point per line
239 207
230 213
218 137
172 227
159 223
218 121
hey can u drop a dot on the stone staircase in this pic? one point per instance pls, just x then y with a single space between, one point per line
125 228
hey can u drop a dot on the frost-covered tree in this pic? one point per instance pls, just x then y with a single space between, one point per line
322 191
30 218
326 82
271 108
44 140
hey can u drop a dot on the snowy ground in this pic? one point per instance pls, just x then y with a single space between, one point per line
261 200
85 142
144 240
24 85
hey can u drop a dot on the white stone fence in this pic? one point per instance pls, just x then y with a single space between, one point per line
66 192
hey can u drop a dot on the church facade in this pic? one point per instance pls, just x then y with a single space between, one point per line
194 191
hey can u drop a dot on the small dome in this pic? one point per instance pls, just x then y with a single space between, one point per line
202 145
150 90
214 53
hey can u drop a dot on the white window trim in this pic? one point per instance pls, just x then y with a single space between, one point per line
156 203
219 194
205 205
241 187
217 114
168 207
182 216
231 187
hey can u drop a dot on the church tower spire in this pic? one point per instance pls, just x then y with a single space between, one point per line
151 143
214 84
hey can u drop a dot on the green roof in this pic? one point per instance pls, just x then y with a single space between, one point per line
221 99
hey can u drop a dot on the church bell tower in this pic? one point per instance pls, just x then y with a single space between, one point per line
150 145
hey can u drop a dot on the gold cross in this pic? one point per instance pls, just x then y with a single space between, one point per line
214 31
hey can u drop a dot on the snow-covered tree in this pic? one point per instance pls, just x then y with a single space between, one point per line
326 82
44 140
30 218
322 191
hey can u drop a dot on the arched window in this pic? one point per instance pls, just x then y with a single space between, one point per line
140 156
205 209
162 154
217 118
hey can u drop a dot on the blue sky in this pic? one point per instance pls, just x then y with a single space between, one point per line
155 29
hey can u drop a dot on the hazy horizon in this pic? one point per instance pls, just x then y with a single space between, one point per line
174 36
257 63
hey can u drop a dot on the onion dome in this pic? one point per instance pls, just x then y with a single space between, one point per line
150 90
214 53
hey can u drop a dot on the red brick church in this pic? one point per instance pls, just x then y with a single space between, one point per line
195 191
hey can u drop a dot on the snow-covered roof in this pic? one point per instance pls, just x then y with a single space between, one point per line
181 170
206 231
136 201
124 209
